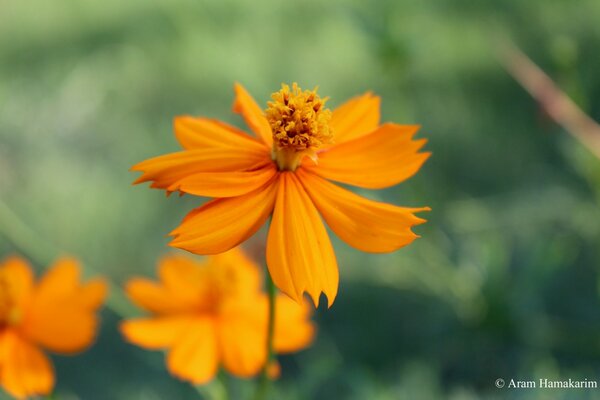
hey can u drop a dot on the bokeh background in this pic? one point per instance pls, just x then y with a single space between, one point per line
504 282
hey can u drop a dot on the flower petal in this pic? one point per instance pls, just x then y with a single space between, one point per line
92 294
299 254
254 116
201 133
194 357
181 274
222 224
26 371
355 118
165 171
224 184
19 275
5 344
187 281
378 160
61 280
156 333
155 297
364 224
61 326
243 336
243 332
61 314
244 277
293 328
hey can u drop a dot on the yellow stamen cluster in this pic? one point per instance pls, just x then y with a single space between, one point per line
300 124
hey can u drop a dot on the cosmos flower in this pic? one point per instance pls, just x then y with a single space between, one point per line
57 313
286 172
213 312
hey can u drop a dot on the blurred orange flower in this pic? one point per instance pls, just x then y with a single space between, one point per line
212 312
57 313
286 173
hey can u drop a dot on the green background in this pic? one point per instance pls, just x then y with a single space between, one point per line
504 281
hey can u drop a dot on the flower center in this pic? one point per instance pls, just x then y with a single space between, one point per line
300 125
225 279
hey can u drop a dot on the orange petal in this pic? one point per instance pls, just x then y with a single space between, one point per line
187 281
200 133
26 371
178 272
194 357
378 160
92 294
165 171
299 254
243 336
355 118
196 282
293 328
156 333
155 297
254 116
222 224
19 276
243 275
61 280
5 344
224 184
61 326
364 224
61 314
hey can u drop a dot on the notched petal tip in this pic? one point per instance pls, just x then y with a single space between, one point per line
316 298
140 179
329 297
419 220
330 303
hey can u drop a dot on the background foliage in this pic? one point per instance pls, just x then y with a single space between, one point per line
504 282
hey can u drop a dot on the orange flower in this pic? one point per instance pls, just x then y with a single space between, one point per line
213 312
286 173
57 313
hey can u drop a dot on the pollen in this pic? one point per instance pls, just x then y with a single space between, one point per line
300 125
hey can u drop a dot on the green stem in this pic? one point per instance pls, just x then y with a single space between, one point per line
264 383
215 390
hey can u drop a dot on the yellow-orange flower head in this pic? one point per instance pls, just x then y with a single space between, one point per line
286 172
300 125
58 313
213 312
